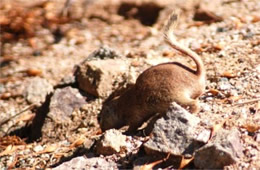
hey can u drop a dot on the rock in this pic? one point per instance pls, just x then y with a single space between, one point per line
56 115
258 68
63 102
204 135
38 148
98 76
175 133
103 52
224 149
36 89
112 141
224 84
98 73
68 80
88 164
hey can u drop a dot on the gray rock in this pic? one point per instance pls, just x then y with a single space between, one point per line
103 52
174 133
36 89
88 164
257 137
63 102
222 150
70 79
98 73
112 141
97 77
224 84
204 135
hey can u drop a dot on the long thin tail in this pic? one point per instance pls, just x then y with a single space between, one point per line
170 39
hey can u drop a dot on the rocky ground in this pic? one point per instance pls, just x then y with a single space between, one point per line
60 60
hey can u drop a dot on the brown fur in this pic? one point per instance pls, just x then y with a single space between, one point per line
156 88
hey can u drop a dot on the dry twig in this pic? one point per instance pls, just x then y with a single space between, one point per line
247 102
17 114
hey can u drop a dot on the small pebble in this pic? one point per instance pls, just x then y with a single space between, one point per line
38 148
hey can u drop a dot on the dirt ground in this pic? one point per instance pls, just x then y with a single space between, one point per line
47 39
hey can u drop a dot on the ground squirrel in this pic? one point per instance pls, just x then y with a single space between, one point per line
156 88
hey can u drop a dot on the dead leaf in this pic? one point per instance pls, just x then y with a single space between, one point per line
48 149
232 99
11 140
11 165
196 24
135 63
256 18
235 98
98 132
8 150
10 94
34 72
8 79
32 42
78 142
228 74
8 59
151 165
185 162
251 127
29 146
4 20
199 50
26 117
167 53
216 128
237 22
255 42
219 46
6 95
7 36
214 92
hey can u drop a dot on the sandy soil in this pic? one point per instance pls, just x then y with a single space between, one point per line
47 39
